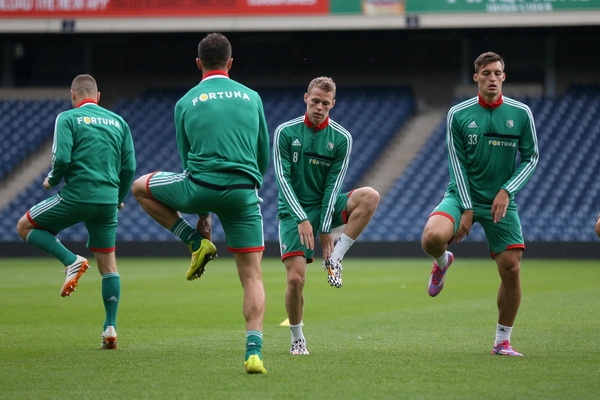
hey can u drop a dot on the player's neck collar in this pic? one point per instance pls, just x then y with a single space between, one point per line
86 101
314 127
215 74
485 104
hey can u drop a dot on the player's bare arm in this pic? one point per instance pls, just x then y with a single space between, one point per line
500 205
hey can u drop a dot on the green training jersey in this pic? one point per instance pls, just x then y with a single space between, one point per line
221 127
490 147
93 152
310 166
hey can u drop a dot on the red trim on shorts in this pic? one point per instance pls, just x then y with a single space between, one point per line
510 247
32 222
345 214
107 250
443 214
246 249
294 254
148 184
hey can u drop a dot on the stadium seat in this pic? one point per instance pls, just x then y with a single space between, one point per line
26 125
559 203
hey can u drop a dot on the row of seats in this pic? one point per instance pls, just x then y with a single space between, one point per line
25 125
373 115
559 203
356 109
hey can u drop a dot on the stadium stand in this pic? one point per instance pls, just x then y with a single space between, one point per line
25 124
560 200
373 115
560 203
557 204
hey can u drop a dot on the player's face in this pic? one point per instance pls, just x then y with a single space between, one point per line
318 103
489 80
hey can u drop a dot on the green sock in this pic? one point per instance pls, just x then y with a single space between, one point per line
253 343
187 233
111 293
49 244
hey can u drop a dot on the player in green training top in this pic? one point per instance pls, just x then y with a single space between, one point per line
311 154
486 135
93 153
223 143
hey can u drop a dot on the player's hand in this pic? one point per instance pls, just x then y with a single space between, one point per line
500 205
464 228
598 225
307 238
46 184
328 244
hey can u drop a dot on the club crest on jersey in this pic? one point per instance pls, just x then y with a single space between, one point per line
330 146
220 96
510 123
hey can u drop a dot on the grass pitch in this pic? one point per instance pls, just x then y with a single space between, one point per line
379 337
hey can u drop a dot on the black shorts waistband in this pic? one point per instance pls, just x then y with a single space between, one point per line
213 186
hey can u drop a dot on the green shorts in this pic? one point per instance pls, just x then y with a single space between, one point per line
503 235
55 214
233 198
289 239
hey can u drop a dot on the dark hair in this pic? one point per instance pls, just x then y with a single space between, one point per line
486 58
214 51
324 83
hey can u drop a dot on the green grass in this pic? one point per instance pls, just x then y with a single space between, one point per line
379 337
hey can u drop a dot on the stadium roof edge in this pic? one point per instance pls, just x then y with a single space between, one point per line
300 23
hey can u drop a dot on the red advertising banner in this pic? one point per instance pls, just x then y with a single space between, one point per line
159 8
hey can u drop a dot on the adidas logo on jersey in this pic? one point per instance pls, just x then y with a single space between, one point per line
296 142
473 125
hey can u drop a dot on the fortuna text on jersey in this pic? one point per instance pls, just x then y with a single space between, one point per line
220 96
98 121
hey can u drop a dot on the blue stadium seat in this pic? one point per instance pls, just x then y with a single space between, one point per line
26 125
559 203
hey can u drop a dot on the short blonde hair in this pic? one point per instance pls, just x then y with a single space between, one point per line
324 83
